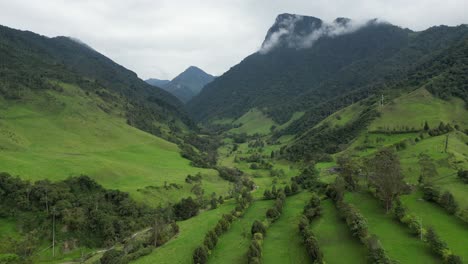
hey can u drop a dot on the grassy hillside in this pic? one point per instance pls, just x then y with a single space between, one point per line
252 122
396 239
333 236
53 135
192 232
413 109
283 243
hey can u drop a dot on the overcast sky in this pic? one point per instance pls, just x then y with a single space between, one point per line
160 38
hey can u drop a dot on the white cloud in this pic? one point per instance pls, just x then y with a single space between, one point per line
160 38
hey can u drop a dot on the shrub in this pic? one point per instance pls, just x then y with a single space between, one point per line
273 214
430 193
258 227
463 175
435 243
448 202
200 255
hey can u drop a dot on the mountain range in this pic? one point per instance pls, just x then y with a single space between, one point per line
185 85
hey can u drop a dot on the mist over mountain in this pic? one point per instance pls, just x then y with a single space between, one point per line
185 85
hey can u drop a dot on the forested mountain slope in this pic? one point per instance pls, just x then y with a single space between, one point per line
306 63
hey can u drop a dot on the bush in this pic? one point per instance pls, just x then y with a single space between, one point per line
448 202
200 255
258 227
272 214
186 208
463 175
112 256
431 194
435 243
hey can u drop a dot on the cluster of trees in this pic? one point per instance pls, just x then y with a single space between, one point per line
82 211
254 253
230 174
274 212
431 238
202 252
440 130
193 179
274 193
311 211
445 199
133 249
308 179
319 143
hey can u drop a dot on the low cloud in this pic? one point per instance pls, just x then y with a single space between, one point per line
287 36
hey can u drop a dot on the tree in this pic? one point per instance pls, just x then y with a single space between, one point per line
200 255
214 203
426 126
186 208
386 176
258 227
349 170
448 202
436 244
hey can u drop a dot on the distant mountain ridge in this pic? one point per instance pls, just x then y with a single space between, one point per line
308 65
185 85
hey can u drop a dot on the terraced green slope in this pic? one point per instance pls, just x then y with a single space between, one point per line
334 236
283 243
413 109
53 135
396 239
232 247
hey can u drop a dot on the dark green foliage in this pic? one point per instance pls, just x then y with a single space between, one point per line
308 178
430 193
436 244
186 208
94 215
254 254
463 175
273 214
112 256
356 222
258 227
312 208
386 177
200 255
376 253
318 143
349 170
453 259
229 174
447 201
354 66
399 210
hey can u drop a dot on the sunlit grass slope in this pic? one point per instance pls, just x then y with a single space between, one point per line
54 135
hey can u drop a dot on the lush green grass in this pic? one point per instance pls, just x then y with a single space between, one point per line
55 135
334 237
8 228
283 243
254 121
192 233
451 229
395 237
232 247
414 109
343 116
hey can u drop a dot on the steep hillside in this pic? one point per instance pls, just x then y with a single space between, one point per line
185 85
444 76
307 64
28 60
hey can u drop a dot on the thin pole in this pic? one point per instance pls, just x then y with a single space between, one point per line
53 232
